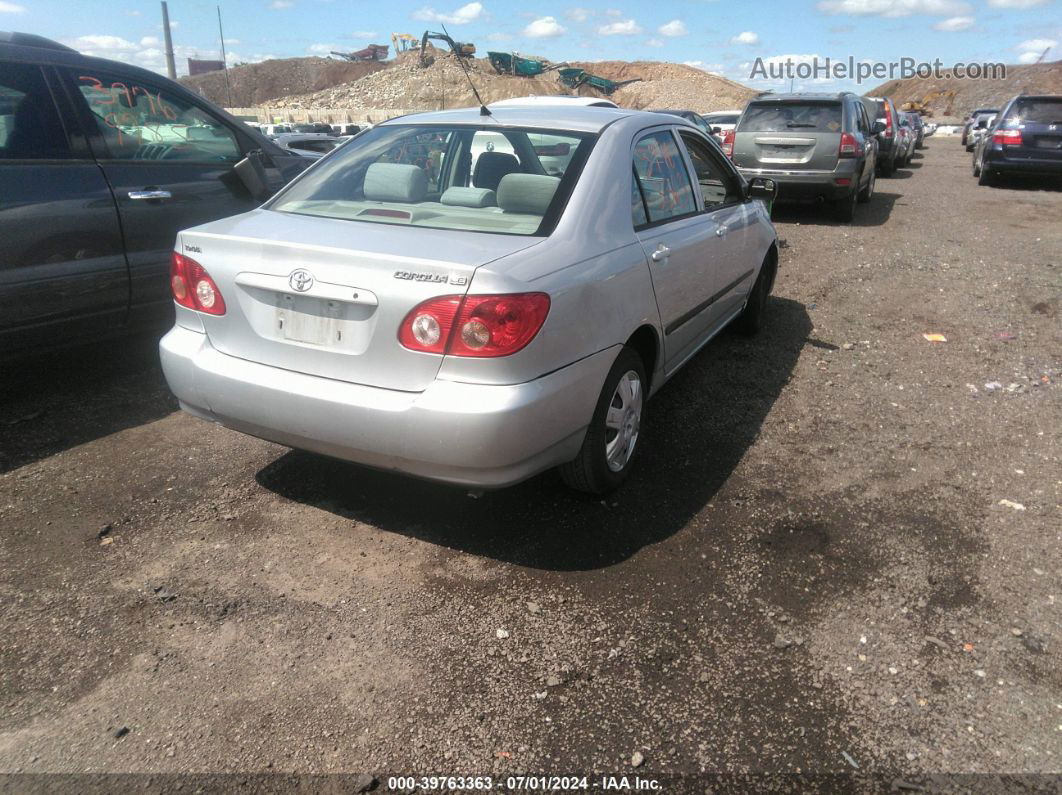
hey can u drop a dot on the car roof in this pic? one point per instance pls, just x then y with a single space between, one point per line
836 97
556 117
553 100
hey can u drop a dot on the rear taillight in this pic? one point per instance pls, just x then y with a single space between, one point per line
475 325
728 143
192 286
1007 137
849 145
888 121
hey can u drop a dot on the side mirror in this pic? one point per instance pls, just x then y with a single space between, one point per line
878 127
763 189
252 173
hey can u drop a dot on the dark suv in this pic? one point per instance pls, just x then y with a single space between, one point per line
101 163
817 147
1025 139
882 111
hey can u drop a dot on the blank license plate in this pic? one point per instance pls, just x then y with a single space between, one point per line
314 321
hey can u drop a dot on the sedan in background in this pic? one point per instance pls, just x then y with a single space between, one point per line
691 116
1025 139
722 121
391 309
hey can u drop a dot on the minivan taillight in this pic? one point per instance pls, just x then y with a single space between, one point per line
888 121
728 143
1007 137
192 286
475 325
849 146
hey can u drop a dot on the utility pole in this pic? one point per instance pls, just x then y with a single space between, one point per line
224 60
171 67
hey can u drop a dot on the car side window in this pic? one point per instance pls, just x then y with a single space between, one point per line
638 213
662 177
29 123
717 186
139 121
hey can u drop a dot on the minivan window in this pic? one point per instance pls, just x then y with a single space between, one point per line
141 122
1038 111
29 125
791 116
445 177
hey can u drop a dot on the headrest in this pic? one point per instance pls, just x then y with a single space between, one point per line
469 197
526 193
491 167
395 182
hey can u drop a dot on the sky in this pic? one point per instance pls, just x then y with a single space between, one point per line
721 36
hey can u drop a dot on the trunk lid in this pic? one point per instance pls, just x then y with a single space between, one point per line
326 297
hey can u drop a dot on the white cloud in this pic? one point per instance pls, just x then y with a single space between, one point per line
955 24
578 14
1016 3
97 43
626 27
322 49
279 4
545 28
232 41
711 68
895 8
462 16
654 43
149 41
675 27
746 37
363 34
11 8
499 37
614 13
1032 49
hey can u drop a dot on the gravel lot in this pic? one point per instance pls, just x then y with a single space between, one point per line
813 567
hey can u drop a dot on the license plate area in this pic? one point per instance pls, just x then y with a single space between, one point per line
311 320
1049 142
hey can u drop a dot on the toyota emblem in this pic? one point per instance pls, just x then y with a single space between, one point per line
301 280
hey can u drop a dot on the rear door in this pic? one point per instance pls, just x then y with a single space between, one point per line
683 244
169 163
63 275
789 135
1040 121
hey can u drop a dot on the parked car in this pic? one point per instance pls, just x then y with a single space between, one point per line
313 128
1026 138
346 129
273 130
882 111
972 120
977 128
722 121
310 145
817 147
691 116
905 140
101 163
918 126
413 320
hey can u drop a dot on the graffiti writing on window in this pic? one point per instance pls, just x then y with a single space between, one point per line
136 113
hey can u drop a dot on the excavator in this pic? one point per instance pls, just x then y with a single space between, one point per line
922 107
403 42
459 48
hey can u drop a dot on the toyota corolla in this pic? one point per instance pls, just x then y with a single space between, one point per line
473 298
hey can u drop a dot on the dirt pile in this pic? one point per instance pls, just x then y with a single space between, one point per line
258 83
443 84
951 99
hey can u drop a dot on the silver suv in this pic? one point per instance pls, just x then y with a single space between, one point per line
817 147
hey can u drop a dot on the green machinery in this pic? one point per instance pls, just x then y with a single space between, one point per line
573 77
506 63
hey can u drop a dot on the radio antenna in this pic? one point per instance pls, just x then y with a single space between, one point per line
483 110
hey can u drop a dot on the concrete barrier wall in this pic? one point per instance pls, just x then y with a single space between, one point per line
268 115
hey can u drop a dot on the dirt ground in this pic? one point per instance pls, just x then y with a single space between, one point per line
841 548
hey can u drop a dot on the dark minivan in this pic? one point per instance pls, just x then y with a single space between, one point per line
101 163
1026 139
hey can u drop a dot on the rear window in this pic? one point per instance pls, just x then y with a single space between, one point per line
722 118
790 116
1038 111
477 179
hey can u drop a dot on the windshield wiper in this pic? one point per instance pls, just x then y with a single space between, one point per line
799 124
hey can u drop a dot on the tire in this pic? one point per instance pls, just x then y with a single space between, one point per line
986 177
614 430
976 167
868 192
752 317
844 209
888 167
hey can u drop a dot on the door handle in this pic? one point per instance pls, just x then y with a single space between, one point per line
720 231
661 254
150 194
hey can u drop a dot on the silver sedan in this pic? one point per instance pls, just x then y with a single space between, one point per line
473 298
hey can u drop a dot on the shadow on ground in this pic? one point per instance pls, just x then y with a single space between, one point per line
697 430
876 212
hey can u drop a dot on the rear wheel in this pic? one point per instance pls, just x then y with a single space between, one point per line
868 191
605 459
976 167
888 165
844 209
986 177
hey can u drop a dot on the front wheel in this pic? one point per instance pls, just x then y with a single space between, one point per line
976 167
605 459
750 321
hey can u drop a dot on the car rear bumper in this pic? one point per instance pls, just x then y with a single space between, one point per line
794 185
476 435
998 161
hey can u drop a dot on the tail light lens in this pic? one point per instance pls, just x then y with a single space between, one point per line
475 325
192 286
888 121
849 145
1008 137
728 143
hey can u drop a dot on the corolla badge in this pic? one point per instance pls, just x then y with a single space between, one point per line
301 280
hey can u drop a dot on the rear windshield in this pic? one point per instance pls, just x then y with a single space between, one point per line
789 116
478 179
1038 111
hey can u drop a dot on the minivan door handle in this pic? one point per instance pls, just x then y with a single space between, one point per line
661 254
150 194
